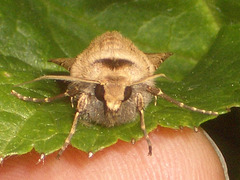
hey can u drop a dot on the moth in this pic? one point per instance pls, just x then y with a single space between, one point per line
110 83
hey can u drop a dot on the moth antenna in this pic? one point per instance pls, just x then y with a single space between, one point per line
150 77
63 78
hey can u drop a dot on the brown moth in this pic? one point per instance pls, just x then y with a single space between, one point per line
110 83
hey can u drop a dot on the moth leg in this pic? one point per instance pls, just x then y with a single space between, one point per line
81 105
32 99
155 100
158 92
72 101
140 106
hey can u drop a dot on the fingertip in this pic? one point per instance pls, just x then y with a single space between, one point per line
177 154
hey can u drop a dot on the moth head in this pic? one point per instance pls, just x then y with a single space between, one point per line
113 93
115 90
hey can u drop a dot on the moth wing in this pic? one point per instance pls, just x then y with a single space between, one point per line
157 58
64 62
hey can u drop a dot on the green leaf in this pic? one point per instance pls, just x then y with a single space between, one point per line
204 68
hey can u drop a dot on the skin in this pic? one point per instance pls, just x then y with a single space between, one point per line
177 154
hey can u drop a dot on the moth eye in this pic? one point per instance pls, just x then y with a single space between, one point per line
127 93
99 92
